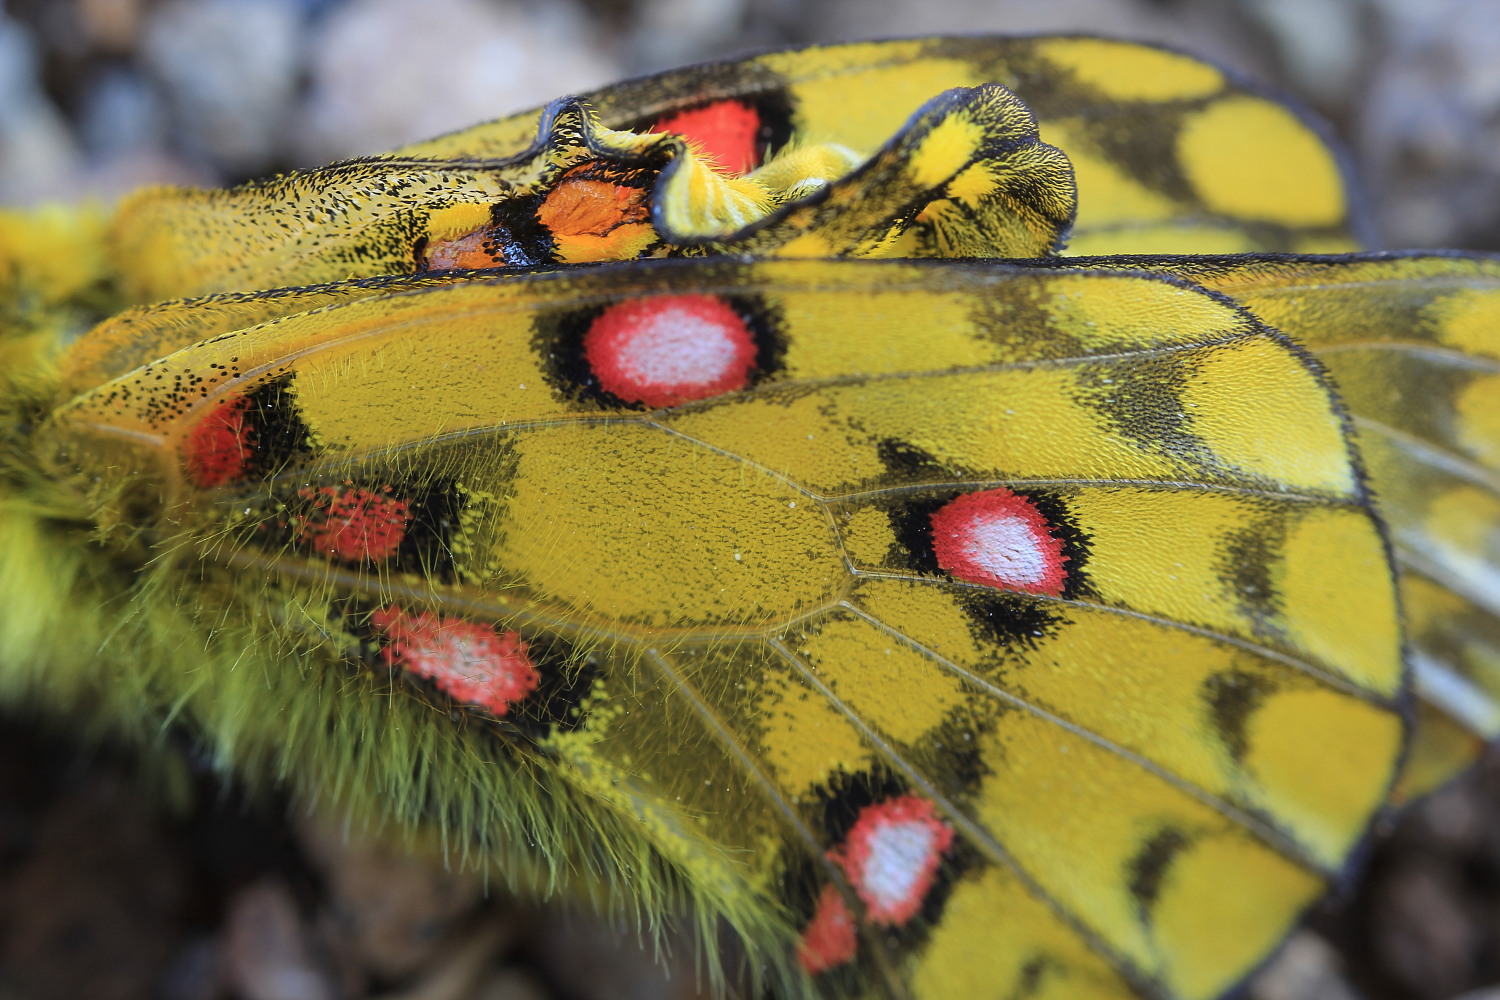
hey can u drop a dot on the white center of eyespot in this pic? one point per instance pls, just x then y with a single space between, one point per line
1007 547
671 349
900 858
676 347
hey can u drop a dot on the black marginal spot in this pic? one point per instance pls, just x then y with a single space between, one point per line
908 462
1011 621
559 340
1033 976
1147 870
280 436
1142 397
1136 138
562 699
248 437
1232 697
1139 142
1247 562
427 549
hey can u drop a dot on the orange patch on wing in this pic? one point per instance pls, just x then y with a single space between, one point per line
220 446
594 217
473 663
353 524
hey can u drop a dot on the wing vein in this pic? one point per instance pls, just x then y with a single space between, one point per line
1269 835
977 834
1320 674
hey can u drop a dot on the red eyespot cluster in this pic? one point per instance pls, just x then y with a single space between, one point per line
999 539
891 856
472 663
218 450
352 523
670 349
729 131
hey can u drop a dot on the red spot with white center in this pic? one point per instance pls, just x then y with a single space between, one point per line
471 663
354 524
999 539
829 938
891 856
729 131
219 449
670 349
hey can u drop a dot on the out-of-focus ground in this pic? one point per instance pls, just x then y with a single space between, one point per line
104 893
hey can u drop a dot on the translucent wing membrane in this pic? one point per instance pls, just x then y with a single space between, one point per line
903 610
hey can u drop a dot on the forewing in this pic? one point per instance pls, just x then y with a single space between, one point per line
1173 154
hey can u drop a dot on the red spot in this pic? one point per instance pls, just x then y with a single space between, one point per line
219 448
469 662
670 349
352 523
999 539
891 856
828 940
729 131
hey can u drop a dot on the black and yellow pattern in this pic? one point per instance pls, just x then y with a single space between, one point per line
766 628
966 176
1412 343
1173 156
1021 628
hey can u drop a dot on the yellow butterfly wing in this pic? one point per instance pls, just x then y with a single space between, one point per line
1411 341
989 645
965 175
1173 156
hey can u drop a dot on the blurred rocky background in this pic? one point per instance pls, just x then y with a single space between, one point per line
104 893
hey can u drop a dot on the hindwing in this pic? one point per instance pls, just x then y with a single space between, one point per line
893 611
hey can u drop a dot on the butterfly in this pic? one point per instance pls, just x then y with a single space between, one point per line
658 494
